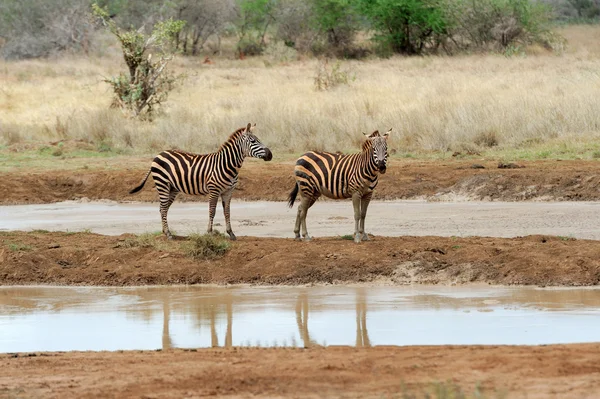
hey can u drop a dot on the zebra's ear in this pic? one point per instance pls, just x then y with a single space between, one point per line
252 127
374 134
248 127
387 134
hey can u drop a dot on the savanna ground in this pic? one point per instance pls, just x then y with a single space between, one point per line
554 371
451 117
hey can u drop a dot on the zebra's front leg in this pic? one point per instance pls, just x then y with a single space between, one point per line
356 199
213 198
226 198
364 204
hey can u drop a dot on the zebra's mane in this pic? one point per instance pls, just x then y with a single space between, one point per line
233 137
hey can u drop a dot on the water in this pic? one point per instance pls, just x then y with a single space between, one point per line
71 318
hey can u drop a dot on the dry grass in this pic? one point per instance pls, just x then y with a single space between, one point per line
536 104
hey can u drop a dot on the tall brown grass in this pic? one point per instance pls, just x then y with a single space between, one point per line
466 103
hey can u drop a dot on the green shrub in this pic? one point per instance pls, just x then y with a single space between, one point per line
207 246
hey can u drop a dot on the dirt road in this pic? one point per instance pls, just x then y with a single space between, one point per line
275 219
554 371
91 259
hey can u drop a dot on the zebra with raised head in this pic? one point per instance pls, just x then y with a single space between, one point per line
340 176
214 174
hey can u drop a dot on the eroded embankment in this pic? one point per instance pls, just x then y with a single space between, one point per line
92 259
477 180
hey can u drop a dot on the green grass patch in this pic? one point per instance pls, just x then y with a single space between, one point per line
206 246
144 240
566 238
348 237
17 247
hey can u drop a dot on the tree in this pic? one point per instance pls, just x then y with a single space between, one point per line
204 18
254 18
35 29
406 26
148 82
337 19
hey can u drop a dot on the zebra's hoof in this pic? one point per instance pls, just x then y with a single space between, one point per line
365 237
298 238
232 237
307 238
357 238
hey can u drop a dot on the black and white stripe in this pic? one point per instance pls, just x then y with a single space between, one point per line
214 174
340 176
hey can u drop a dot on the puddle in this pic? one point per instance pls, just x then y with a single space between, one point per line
63 319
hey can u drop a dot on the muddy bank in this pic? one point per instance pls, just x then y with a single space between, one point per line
92 259
476 180
511 371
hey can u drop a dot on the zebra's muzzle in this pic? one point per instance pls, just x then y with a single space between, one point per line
382 167
268 155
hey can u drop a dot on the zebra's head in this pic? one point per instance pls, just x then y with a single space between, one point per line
252 146
380 154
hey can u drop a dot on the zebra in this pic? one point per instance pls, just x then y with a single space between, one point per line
215 174
340 176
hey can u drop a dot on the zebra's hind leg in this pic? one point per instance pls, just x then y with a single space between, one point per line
356 199
213 198
226 198
364 204
305 204
298 220
166 199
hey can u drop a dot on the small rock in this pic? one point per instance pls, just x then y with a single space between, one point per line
53 246
477 166
503 165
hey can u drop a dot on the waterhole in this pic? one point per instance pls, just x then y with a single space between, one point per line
71 318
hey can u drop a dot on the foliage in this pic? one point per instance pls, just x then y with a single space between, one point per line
32 29
254 18
406 26
148 83
497 24
294 26
204 19
337 20
576 11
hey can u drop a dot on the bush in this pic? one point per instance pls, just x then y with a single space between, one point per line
148 84
328 76
207 246
278 52
499 24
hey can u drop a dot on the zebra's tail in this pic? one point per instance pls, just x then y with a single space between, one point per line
141 185
293 195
